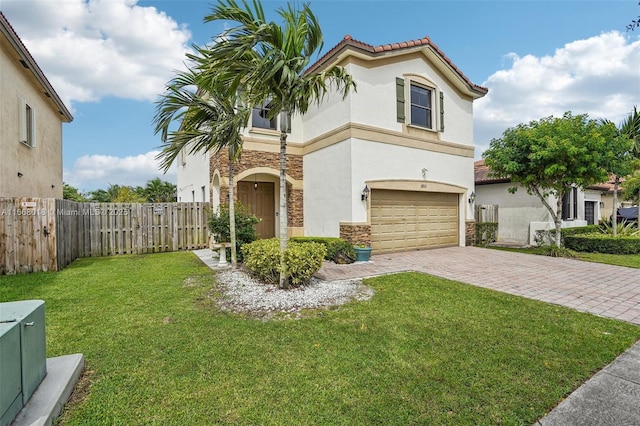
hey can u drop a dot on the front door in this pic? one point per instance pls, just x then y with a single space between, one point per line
589 212
259 198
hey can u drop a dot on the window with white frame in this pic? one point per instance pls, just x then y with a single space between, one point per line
422 110
27 124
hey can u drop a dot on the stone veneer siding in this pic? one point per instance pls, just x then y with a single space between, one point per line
251 159
470 232
356 233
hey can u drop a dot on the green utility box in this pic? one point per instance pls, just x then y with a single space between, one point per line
23 360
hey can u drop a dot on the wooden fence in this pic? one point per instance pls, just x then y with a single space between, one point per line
40 234
486 213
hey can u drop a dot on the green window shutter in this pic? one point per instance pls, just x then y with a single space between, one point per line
441 111
400 99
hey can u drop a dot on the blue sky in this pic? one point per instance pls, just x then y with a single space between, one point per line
109 60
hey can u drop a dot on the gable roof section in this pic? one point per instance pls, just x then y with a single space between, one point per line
350 47
30 64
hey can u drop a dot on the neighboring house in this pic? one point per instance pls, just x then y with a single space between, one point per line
31 117
520 215
390 165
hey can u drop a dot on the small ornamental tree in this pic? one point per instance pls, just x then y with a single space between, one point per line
549 156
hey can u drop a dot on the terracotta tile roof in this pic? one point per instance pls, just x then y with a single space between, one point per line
482 177
350 42
31 64
482 174
608 185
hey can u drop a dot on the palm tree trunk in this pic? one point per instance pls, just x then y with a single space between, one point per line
232 212
283 199
614 218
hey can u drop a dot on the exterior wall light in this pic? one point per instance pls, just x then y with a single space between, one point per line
365 193
472 197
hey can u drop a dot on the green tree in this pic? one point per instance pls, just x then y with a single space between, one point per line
157 191
127 194
209 122
71 193
549 156
99 196
269 63
628 128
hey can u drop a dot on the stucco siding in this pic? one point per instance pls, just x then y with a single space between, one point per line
329 191
40 166
193 175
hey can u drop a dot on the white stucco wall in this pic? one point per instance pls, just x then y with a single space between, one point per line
521 214
193 175
328 190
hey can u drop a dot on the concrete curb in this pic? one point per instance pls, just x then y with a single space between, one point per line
47 401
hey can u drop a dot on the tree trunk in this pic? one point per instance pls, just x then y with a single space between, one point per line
558 221
283 198
232 212
614 216
555 215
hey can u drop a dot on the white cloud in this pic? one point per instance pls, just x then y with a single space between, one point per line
97 48
92 172
599 76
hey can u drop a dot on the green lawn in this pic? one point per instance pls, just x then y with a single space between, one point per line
423 351
628 260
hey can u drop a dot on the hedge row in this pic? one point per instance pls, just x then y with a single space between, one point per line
338 250
601 243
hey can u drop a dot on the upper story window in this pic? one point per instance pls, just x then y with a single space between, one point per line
421 111
27 124
425 108
259 117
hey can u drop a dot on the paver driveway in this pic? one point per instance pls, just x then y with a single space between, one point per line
605 290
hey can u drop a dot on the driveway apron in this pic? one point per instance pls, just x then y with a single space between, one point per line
604 290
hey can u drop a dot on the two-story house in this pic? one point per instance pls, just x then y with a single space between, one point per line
390 165
31 117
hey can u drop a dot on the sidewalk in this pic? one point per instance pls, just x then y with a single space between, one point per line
609 398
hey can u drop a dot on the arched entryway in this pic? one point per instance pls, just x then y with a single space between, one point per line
259 196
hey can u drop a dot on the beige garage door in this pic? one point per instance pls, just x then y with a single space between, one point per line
409 220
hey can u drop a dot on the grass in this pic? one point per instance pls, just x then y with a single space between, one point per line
423 351
628 260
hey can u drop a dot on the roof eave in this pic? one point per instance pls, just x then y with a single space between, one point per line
27 59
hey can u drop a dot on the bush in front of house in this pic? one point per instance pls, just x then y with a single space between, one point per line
486 233
303 260
245 226
338 250
602 243
262 259
548 236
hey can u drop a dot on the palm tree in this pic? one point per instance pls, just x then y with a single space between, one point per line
209 122
630 128
270 63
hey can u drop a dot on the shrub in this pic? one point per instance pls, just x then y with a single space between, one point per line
338 250
601 243
486 233
548 237
262 259
303 260
623 228
555 251
245 226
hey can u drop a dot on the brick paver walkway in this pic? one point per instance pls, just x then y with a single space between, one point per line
605 290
